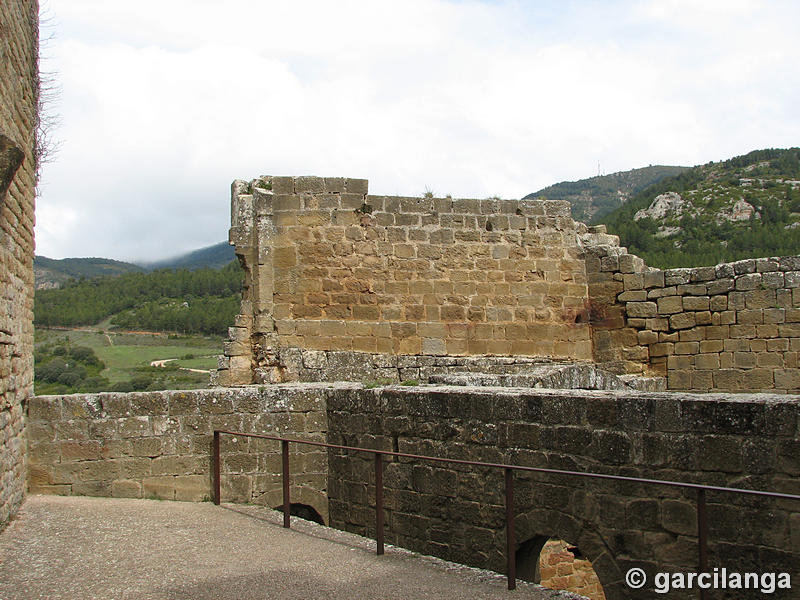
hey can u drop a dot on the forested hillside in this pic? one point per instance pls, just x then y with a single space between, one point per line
51 272
745 207
200 301
595 197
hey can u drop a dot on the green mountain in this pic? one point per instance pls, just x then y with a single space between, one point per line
593 198
53 273
744 207
198 301
212 257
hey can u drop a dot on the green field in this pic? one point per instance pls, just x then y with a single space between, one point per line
127 357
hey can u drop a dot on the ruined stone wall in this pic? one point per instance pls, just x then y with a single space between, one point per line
733 327
457 512
18 120
390 283
158 444
329 267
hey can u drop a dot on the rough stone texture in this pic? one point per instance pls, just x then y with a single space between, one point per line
562 570
733 327
551 376
329 267
331 271
18 120
457 512
516 371
158 444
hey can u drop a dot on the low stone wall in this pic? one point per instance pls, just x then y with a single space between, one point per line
732 327
158 444
458 512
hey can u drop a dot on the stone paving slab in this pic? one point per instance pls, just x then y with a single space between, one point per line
79 547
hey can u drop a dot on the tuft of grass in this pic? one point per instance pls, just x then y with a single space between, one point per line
409 382
376 383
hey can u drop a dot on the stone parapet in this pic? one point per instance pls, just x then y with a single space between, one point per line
158 444
457 512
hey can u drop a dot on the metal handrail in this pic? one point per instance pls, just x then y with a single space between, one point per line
702 519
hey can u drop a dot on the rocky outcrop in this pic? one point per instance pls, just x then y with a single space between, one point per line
668 205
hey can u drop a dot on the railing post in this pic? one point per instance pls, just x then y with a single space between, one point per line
379 502
702 537
286 505
511 545
215 451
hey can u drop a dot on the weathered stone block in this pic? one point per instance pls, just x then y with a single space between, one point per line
687 348
633 281
161 488
749 281
125 488
677 276
670 305
682 321
696 303
679 516
707 361
641 309
192 488
653 279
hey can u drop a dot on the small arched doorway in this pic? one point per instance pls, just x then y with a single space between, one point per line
558 565
303 511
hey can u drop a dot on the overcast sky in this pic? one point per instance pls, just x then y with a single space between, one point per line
164 102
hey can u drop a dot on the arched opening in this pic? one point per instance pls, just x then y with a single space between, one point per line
527 556
558 565
304 511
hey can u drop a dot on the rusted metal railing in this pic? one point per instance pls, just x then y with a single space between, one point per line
702 518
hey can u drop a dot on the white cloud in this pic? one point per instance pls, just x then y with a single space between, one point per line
165 103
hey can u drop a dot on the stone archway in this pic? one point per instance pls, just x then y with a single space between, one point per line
303 511
537 527
300 496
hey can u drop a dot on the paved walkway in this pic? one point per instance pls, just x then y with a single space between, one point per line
79 547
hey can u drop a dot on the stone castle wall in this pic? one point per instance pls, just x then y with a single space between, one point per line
18 122
332 270
733 327
329 267
457 512
158 444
